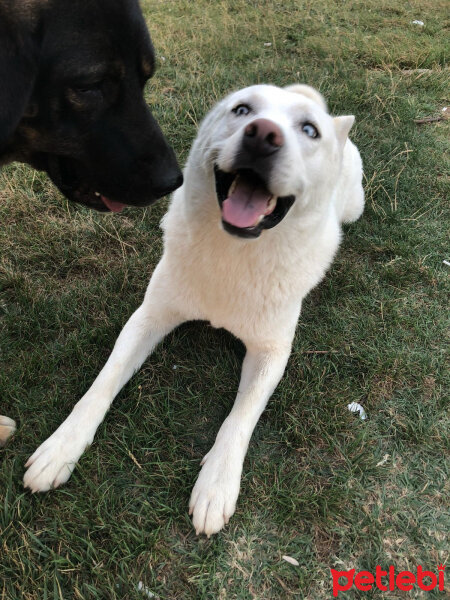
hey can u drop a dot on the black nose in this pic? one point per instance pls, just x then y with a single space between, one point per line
262 137
156 176
170 182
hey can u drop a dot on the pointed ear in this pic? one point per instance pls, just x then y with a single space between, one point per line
342 126
18 70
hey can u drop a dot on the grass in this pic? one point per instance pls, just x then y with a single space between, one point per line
319 484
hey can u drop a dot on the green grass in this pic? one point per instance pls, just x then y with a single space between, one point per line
375 331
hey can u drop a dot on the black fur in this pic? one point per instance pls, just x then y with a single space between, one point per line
71 99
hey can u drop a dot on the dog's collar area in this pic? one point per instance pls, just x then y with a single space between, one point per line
246 204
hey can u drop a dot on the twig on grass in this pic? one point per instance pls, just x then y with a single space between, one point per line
134 459
428 120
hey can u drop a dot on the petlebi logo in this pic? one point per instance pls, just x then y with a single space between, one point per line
388 580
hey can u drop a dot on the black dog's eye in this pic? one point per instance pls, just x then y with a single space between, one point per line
88 93
241 110
85 97
310 130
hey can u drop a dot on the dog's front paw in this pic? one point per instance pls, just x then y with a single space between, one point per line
53 462
213 499
7 428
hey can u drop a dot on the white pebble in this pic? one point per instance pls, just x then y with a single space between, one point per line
144 589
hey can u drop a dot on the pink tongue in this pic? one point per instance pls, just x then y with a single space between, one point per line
246 204
113 206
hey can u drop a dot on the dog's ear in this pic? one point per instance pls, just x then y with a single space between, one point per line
342 126
309 92
18 70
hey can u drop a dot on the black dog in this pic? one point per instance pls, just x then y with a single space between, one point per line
72 74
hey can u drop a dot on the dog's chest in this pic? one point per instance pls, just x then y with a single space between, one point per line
240 295
247 288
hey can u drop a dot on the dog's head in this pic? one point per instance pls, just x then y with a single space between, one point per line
72 74
270 148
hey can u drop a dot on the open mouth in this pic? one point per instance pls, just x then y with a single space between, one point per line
246 203
95 200
65 174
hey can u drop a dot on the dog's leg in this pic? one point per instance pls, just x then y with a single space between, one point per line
53 462
213 499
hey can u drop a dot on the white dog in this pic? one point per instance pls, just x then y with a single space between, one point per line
270 178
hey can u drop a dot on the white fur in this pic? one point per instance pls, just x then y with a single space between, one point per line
7 429
254 288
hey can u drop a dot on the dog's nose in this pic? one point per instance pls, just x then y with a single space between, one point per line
262 137
158 176
172 181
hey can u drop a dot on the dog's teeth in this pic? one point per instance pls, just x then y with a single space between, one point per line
97 193
271 203
232 186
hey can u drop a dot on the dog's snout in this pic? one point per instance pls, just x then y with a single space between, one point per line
263 137
158 176
170 183
165 181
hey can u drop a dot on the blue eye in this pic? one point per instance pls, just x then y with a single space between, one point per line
241 110
310 130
